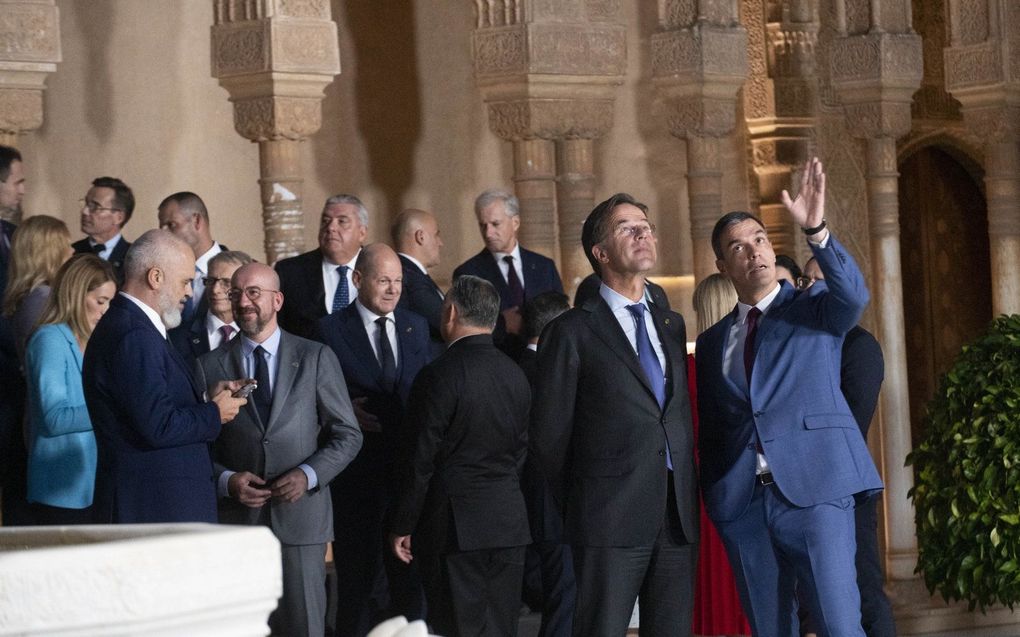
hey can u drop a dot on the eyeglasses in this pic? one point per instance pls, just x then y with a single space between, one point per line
211 282
253 293
93 207
636 230
804 282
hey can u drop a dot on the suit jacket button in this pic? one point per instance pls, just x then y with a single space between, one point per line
758 414
750 446
662 452
266 441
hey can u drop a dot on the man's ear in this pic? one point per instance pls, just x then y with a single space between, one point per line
356 278
419 237
155 277
600 253
720 265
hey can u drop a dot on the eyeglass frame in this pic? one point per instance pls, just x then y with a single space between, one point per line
631 231
211 281
234 294
93 206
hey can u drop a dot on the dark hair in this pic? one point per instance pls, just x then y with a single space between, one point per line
542 309
724 222
8 155
123 198
787 262
476 299
186 201
595 227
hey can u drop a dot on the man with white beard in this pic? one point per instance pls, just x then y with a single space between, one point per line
152 421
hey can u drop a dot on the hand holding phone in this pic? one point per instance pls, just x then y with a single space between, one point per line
249 386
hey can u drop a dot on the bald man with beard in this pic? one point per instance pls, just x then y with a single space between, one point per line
152 423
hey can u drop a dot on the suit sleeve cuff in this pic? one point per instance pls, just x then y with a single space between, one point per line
313 480
221 484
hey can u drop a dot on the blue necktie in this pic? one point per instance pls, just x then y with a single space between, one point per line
262 395
342 296
650 363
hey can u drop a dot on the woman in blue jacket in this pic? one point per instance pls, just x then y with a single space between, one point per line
61 445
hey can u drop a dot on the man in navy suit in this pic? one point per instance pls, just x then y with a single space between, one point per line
152 426
782 458
215 325
416 239
381 348
517 274
320 282
106 208
185 215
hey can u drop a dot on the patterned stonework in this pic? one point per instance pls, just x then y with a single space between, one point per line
858 16
304 47
500 51
29 33
602 10
272 118
975 65
888 58
303 8
758 93
240 48
699 116
932 101
678 13
577 50
550 119
994 123
970 20
703 52
20 110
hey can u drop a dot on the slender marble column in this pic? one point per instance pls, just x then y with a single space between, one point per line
282 190
535 186
704 187
575 195
1002 183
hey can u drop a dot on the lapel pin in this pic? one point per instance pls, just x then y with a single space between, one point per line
294 364
667 321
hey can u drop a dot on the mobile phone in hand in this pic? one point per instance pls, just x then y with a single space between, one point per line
246 390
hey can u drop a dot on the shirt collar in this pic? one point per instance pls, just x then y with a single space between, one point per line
515 253
368 317
202 262
271 344
414 261
213 323
109 245
153 315
763 304
618 301
329 265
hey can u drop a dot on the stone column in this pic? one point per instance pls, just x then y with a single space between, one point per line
875 67
983 73
275 58
29 51
699 62
547 71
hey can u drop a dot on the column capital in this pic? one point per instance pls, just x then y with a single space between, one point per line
875 76
550 118
30 51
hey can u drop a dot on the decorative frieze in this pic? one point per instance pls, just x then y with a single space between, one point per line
560 49
20 110
271 118
29 32
550 119
975 65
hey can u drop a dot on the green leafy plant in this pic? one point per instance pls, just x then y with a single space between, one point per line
967 490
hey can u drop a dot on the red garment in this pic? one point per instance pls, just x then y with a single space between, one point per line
716 603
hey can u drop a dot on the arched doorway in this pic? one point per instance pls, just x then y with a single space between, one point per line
947 297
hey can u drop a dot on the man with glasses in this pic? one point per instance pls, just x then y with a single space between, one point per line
215 325
611 431
274 463
106 208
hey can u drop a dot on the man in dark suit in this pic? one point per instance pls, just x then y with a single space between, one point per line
152 426
216 325
106 208
782 458
611 428
274 463
416 239
460 505
12 186
589 289
319 282
861 372
549 570
185 215
381 348
516 273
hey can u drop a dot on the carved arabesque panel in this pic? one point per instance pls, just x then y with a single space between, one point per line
602 10
974 65
304 47
239 49
550 119
971 21
20 110
272 118
303 8
758 88
29 33
500 51
858 16
679 13
577 50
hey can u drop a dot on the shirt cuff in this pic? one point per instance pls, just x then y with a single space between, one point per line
824 241
313 480
221 484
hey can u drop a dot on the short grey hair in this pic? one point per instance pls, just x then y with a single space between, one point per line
349 199
476 299
230 256
154 249
513 207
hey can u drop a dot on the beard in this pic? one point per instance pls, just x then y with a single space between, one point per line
169 311
250 322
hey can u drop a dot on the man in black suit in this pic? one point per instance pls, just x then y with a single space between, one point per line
589 289
861 373
460 505
184 214
106 208
516 273
549 570
611 429
215 325
381 348
416 239
319 282
12 186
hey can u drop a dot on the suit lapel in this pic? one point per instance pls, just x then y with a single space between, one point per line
405 337
233 367
487 263
184 367
768 324
356 336
605 325
286 371
675 359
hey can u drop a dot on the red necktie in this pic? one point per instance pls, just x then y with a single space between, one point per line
752 331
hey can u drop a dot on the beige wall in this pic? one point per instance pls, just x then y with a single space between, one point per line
403 124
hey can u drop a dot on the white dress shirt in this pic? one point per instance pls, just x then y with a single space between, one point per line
331 279
504 269
368 318
618 304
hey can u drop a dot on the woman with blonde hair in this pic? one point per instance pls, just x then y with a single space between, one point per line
40 245
61 444
716 603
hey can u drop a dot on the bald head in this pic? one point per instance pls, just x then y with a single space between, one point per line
379 278
158 270
256 299
416 233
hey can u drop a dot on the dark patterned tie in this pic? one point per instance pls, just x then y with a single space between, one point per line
650 363
342 296
262 395
514 289
226 331
386 360
752 331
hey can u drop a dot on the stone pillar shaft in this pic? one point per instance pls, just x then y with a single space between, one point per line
575 198
1002 183
282 189
887 298
535 186
704 186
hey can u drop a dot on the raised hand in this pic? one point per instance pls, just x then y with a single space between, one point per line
808 209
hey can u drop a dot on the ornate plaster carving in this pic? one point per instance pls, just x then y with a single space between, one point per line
239 48
993 123
500 51
20 110
879 119
304 47
977 65
577 49
550 119
971 21
702 117
700 52
272 118
29 32
858 16
887 58
602 10
758 94
679 13
303 8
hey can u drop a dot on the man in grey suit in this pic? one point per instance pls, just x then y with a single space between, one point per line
298 431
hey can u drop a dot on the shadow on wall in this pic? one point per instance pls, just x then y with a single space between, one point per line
386 94
95 19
